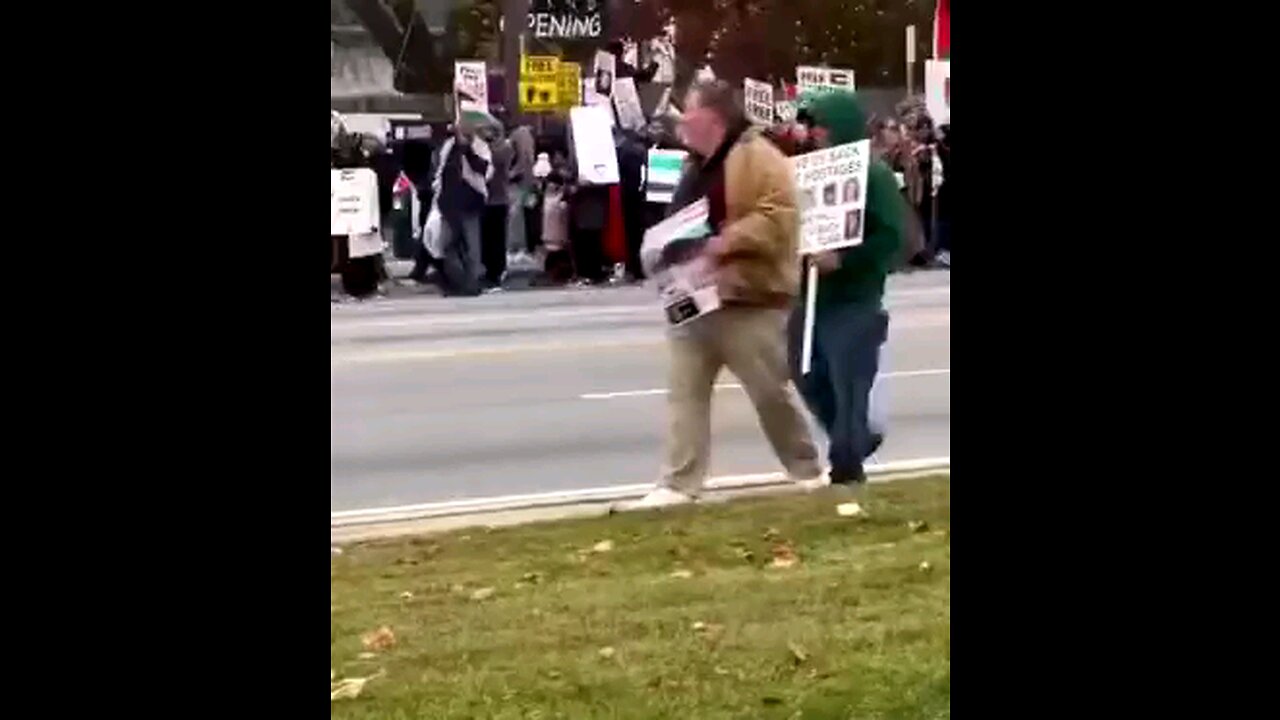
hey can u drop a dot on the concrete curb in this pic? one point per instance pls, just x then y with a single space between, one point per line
376 523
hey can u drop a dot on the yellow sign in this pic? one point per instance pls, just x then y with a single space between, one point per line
570 85
539 83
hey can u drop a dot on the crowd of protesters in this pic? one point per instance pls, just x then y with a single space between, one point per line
492 198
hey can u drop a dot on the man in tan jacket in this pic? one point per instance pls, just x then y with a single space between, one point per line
751 194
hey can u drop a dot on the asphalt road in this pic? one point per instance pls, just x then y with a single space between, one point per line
437 399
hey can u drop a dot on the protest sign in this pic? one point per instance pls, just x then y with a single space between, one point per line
570 85
758 101
539 83
593 146
470 86
785 110
937 90
831 195
673 255
664 54
822 79
627 102
662 174
354 210
604 68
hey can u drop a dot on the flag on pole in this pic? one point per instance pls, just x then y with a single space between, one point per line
942 30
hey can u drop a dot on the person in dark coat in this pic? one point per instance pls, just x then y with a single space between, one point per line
360 276
632 156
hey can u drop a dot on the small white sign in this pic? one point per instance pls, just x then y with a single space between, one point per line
831 189
673 255
593 147
785 111
627 102
604 69
758 101
937 90
470 86
823 79
354 211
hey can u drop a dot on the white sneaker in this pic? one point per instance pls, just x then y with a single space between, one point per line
814 484
658 498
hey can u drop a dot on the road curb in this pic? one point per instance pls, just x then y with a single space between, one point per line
374 523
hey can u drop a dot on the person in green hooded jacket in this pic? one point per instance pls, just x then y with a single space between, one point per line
851 323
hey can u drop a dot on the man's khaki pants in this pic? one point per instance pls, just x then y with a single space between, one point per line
752 343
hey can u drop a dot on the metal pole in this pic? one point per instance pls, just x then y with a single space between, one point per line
911 59
515 14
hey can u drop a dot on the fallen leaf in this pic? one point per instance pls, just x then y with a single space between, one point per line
406 595
798 651
772 534
721 671
682 574
607 652
917 526
333 674
532 577
335 550
465 538
457 589
483 593
554 674
850 509
603 546
784 556
746 554
699 626
379 639
349 688
925 566
520 585
366 656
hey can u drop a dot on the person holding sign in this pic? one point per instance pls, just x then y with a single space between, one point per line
751 255
851 322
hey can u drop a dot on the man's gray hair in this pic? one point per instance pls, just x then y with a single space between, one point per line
721 98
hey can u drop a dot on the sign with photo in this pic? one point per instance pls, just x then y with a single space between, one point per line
758 101
831 189
823 79
662 174
604 69
539 83
596 155
470 86
785 110
627 102
567 19
673 255
937 90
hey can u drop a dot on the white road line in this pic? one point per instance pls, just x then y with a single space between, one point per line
613 493
736 386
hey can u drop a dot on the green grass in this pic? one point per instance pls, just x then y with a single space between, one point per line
856 629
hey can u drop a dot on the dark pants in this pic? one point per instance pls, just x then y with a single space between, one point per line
533 228
846 358
588 254
633 211
493 243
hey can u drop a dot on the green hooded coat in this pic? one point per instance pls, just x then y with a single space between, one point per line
863 268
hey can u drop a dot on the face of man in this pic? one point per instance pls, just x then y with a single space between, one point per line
701 129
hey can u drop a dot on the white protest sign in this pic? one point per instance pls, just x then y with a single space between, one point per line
831 193
604 69
662 174
354 210
822 79
785 111
663 53
758 101
593 147
627 102
470 86
672 254
937 90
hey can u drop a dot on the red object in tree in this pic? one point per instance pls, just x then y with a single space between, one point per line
942 30
615 232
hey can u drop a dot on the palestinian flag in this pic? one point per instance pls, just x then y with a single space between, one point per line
942 30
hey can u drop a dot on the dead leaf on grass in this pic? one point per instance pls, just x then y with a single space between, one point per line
603 546
350 688
721 671
925 566
483 593
335 550
607 653
457 589
366 656
918 526
784 556
406 595
798 652
772 534
333 674
380 639
681 574
699 626
532 577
